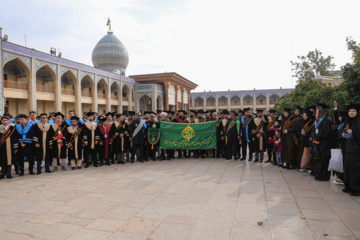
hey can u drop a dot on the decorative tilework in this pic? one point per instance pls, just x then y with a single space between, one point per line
1 80
7 56
62 61
65 69
40 64
144 87
83 74
264 91
33 86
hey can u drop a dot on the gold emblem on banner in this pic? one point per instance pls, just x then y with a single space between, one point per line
188 133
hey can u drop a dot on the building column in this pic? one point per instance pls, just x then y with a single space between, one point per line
108 97
188 99
130 98
267 101
182 99
2 99
32 86
58 103
241 101
229 101
254 102
204 101
216 103
120 110
94 95
176 98
167 85
78 109
192 102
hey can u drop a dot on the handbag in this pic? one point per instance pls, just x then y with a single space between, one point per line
306 159
336 161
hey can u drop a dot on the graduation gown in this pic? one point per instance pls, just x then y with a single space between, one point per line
258 126
58 150
27 139
245 134
42 137
304 141
139 137
74 142
321 134
90 134
288 140
352 157
231 132
120 144
7 144
106 138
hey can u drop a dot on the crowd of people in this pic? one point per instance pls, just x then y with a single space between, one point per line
300 139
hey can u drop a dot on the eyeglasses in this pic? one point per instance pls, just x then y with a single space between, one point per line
138 115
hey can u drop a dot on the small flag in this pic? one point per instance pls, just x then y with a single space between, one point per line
108 22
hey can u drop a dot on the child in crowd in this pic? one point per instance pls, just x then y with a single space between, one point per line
277 147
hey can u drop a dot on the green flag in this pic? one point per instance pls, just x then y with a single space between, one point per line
108 22
190 136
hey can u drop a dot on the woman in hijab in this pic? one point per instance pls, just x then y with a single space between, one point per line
351 132
288 127
321 137
305 130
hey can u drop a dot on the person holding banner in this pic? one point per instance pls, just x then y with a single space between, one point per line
152 138
137 137
57 141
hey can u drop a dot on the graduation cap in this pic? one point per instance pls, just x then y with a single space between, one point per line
241 111
170 112
193 111
103 119
213 111
232 111
109 114
343 114
59 114
278 120
259 111
322 105
353 106
159 111
200 111
5 117
22 116
207 111
308 113
272 111
299 108
311 107
75 118
90 114
287 110
44 114
225 112
149 112
246 109
118 115
184 112
131 113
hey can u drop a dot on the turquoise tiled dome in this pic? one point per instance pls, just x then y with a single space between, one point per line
110 54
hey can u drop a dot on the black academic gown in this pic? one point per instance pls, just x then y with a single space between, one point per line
304 141
7 143
258 125
323 138
288 141
139 137
352 157
42 137
58 150
75 142
120 144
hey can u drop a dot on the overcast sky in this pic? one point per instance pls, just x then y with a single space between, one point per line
219 45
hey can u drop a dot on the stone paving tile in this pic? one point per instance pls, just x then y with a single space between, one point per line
179 199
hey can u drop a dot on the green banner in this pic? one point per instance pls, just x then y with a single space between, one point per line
189 136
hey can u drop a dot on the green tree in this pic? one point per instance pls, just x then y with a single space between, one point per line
314 62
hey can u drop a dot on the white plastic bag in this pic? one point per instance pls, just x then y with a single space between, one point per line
336 161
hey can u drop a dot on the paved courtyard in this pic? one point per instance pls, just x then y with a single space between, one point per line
178 199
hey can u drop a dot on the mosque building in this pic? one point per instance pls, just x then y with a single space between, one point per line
35 80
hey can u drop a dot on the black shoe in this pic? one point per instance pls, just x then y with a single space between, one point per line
236 158
101 164
132 161
8 176
154 159
63 168
48 171
112 162
95 165
86 165
256 160
2 176
21 174
346 190
31 173
242 159
228 159
38 173
17 171
141 161
250 159
355 194
168 159
120 162
261 160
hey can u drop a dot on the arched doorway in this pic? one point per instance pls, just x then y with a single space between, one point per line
159 103
45 89
68 98
115 97
125 98
274 99
87 86
145 103
16 76
101 96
